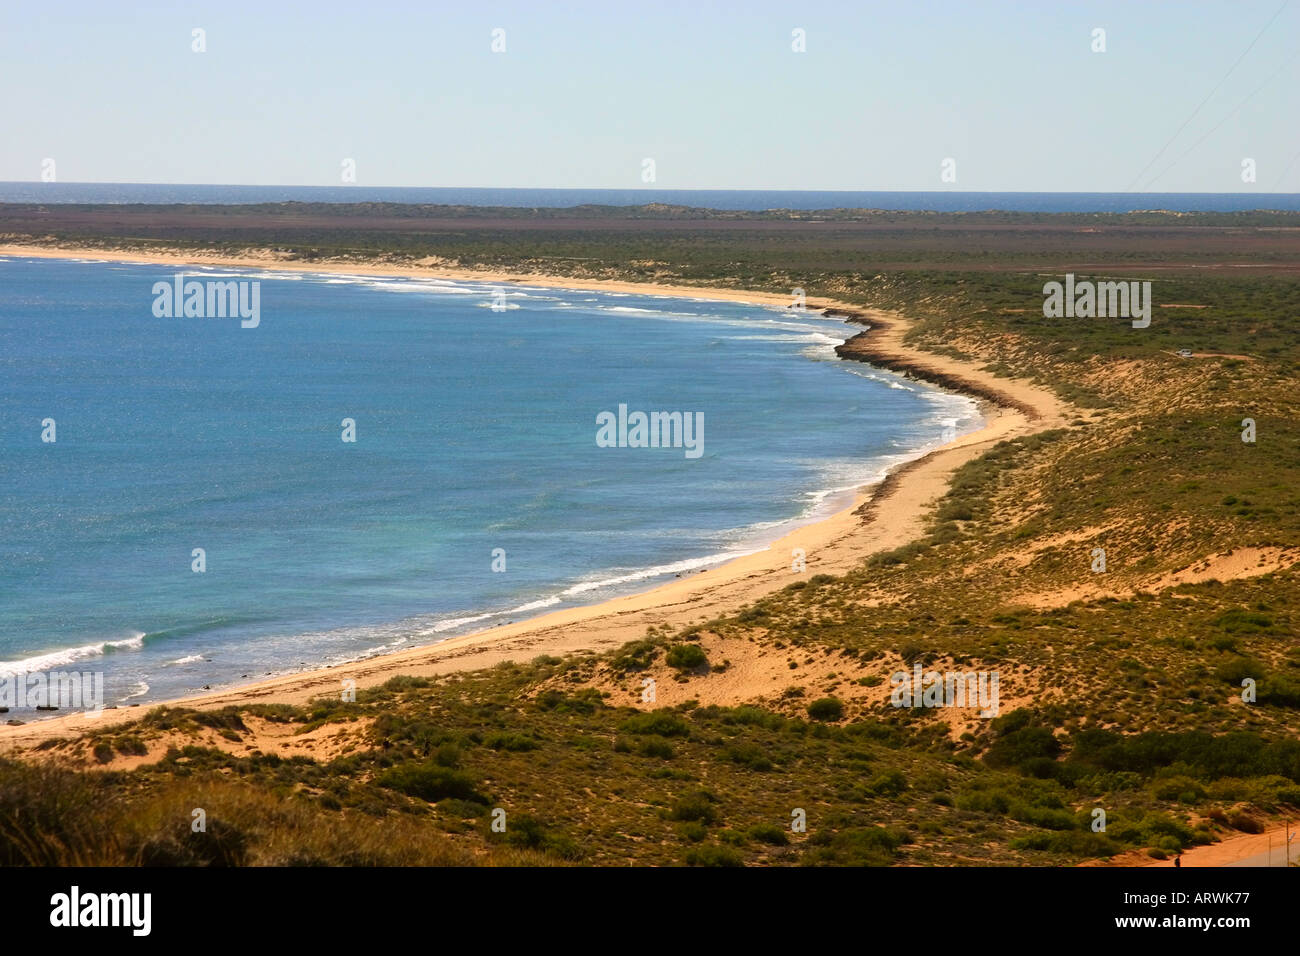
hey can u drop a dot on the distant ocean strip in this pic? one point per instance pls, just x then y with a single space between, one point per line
752 200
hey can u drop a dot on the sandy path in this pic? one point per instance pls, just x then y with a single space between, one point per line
1246 849
896 515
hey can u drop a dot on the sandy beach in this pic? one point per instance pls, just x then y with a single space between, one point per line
881 517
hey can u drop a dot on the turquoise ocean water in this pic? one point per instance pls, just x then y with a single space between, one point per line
475 445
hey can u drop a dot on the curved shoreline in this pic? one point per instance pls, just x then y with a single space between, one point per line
833 545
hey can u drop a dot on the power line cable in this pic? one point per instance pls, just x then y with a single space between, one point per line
1207 99
1215 127
1285 169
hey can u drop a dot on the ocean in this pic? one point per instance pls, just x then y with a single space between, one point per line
475 493
746 199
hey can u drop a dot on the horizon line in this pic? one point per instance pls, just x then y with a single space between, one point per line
656 188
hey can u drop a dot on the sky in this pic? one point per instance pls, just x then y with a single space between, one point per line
1013 94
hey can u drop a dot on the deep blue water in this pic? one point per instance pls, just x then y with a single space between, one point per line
748 199
476 430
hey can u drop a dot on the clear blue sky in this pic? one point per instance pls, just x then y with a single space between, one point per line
111 90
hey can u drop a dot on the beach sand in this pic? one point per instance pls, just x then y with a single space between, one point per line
881 517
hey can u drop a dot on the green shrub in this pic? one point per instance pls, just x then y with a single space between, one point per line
1241 621
694 806
219 844
686 657
955 511
227 718
864 846
827 708
131 746
769 833
1180 788
750 716
714 856
403 682
1239 668
661 723
1019 743
585 701
1070 842
657 747
749 755
635 656
1245 823
430 782
1049 818
887 784
693 830
462 809
526 831
984 801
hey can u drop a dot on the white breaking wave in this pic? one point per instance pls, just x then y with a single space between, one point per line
585 587
690 564
454 622
189 659
56 659
395 286
535 605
